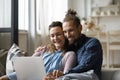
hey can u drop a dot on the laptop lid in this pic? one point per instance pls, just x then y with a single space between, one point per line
29 68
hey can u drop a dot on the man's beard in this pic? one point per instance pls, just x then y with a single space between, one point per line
72 47
73 42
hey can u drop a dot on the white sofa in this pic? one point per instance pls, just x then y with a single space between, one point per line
111 74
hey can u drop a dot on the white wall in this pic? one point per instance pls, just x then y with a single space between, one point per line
78 5
5 40
81 6
6 44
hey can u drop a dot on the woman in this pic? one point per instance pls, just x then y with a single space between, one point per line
57 55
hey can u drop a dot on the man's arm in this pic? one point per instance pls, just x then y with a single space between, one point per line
39 51
91 58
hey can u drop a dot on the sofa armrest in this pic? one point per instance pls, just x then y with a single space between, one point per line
111 74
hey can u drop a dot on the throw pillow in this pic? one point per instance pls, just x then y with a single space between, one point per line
14 51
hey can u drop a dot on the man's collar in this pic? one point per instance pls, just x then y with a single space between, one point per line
81 40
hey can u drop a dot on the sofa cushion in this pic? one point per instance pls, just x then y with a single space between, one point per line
111 74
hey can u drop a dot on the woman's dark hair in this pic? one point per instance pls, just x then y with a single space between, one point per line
54 24
71 15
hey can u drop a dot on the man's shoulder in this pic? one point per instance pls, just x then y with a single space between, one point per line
87 42
92 41
89 39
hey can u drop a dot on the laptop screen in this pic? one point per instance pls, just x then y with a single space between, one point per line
29 68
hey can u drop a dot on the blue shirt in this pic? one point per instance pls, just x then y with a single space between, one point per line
89 55
51 61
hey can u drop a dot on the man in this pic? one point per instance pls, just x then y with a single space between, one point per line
89 50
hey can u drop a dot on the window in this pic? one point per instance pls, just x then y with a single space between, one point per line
48 11
23 14
5 13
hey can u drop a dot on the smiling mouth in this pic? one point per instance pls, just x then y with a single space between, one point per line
70 38
57 42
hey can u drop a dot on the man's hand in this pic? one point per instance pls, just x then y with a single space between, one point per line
49 76
39 51
41 48
4 78
57 73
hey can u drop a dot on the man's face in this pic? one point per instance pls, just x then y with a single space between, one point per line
71 32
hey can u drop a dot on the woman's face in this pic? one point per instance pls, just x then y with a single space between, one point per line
57 37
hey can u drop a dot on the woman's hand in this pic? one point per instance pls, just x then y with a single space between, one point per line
4 78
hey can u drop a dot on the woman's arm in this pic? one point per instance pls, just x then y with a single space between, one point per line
10 76
4 78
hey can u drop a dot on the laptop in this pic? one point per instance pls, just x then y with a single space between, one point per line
29 68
